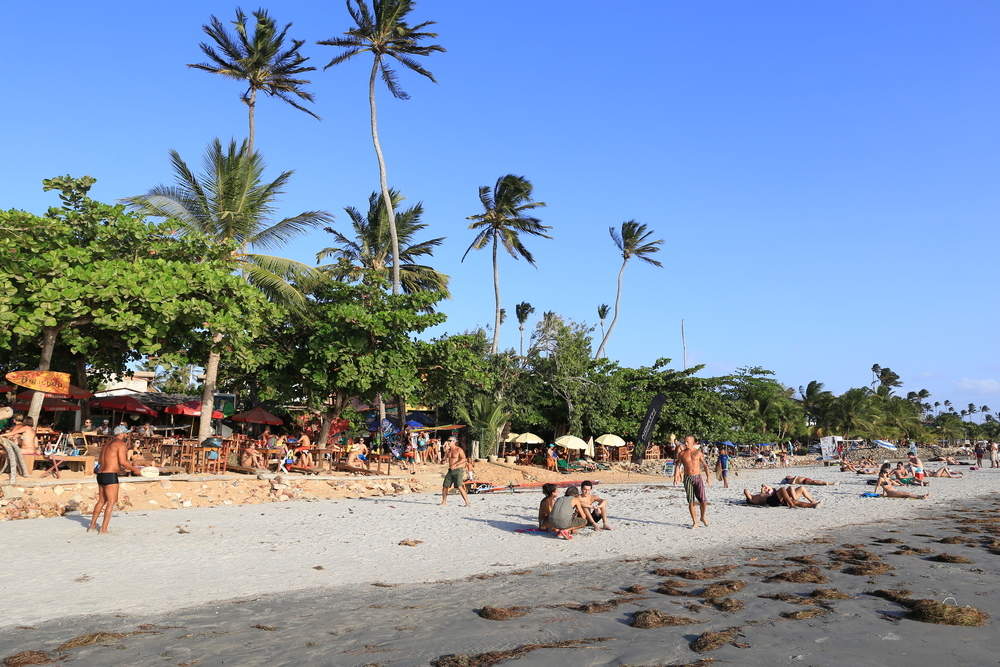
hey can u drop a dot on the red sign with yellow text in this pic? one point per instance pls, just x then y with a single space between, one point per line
51 382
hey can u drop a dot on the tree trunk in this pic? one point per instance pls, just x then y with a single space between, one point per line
401 410
384 179
208 391
251 106
614 320
81 382
521 327
496 296
49 335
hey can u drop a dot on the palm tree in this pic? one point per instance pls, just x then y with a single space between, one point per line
523 311
262 61
633 241
382 30
370 249
602 314
231 202
502 221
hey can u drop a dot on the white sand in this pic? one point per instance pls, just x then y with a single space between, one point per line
147 565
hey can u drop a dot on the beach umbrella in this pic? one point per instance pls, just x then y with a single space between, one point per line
529 439
189 409
610 440
257 415
413 423
885 445
571 442
511 437
48 405
122 404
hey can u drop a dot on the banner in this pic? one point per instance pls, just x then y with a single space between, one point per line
646 428
828 447
50 382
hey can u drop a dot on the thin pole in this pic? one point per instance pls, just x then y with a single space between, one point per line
684 345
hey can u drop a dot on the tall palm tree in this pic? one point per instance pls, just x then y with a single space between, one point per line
382 30
523 311
370 249
262 61
230 201
633 240
602 314
502 221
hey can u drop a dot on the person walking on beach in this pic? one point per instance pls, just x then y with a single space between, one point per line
696 477
722 467
112 461
979 452
458 463
994 455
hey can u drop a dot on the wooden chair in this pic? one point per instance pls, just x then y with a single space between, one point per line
216 459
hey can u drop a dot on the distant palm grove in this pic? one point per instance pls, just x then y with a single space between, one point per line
189 274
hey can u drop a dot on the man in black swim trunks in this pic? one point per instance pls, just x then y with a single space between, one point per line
112 461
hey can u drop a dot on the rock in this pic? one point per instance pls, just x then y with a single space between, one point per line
13 492
152 502
186 503
58 490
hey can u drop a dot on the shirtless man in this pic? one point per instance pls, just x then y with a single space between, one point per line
569 515
885 485
545 507
455 477
112 460
303 451
696 476
917 466
597 506
798 479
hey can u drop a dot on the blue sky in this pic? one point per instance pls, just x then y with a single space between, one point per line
823 174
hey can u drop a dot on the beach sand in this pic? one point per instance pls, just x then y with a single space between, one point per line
333 584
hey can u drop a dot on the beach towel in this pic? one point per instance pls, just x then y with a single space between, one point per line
870 495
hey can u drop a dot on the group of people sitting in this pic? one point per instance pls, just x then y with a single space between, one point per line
576 509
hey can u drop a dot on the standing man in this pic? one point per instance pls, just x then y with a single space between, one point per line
994 455
723 466
458 463
979 451
696 477
112 461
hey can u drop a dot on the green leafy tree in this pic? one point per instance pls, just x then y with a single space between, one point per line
383 31
486 416
369 250
602 314
231 203
261 60
633 240
502 222
523 311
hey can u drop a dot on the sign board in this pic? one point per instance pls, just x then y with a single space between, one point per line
646 428
50 382
828 447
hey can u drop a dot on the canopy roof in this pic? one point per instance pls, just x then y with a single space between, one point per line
190 409
122 404
48 405
257 415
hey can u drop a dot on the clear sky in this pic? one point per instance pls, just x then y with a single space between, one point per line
823 174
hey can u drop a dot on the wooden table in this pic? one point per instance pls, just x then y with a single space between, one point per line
83 463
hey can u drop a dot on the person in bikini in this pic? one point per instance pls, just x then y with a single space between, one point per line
113 459
946 473
696 478
798 479
569 515
917 466
885 485
458 463
792 497
597 506
23 432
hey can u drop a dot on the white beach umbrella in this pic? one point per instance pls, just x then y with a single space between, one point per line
610 440
529 439
511 437
571 442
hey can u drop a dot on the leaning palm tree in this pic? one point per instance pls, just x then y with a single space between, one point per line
602 314
523 311
263 61
382 30
502 221
633 241
369 251
231 202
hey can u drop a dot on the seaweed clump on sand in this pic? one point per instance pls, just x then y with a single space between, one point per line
89 639
954 539
704 573
673 588
860 562
502 613
829 594
888 540
599 607
28 658
950 558
912 551
808 575
803 560
722 588
496 657
870 568
932 611
635 589
791 598
727 605
654 618
804 614
710 641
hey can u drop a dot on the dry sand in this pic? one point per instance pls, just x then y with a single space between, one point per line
160 561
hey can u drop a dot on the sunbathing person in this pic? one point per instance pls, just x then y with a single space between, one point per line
569 515
903 476
945 472
885 485
798 479
545 507
790 496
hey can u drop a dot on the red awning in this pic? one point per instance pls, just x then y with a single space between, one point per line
48 405
74 393
122 404
189 409
257 415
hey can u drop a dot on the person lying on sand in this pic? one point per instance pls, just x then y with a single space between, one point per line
789 496
597 506
798 479
885 485
545 507
569 515
945 472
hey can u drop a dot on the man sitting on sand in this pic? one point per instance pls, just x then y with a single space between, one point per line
789 496
569 515
545 507
111 462
598 507
798 479
885 485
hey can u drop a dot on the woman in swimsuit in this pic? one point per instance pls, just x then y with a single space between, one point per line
24 433
885 485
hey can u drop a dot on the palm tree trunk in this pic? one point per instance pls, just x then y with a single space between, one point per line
208 391
49 335
251 106
496 295
384 179
521 327
614 320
